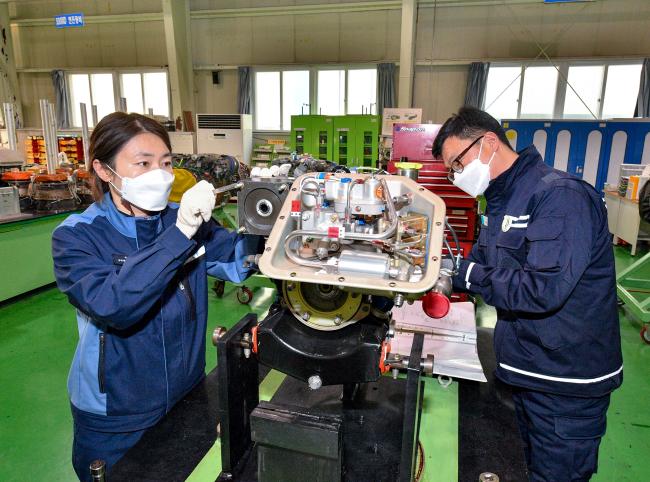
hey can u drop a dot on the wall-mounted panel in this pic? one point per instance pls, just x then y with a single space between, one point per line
539 139
561 160
592 155
616 156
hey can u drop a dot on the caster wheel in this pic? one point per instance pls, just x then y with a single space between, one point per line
244 295
218 288
645 334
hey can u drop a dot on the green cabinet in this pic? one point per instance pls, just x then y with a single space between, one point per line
366 140
323 128
351 140
312 134
345 152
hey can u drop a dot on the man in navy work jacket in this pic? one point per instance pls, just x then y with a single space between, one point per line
544 260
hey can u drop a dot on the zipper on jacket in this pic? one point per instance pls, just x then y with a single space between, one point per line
100 367
187 291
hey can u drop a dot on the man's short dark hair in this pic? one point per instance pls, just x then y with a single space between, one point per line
468 123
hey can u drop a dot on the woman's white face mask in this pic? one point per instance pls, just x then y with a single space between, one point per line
475 178
148 191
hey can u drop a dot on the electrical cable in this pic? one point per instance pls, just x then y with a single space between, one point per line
420 471
455 236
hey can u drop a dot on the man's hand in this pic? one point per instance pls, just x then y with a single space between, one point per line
196 207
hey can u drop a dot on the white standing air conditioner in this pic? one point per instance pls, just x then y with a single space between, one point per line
230 134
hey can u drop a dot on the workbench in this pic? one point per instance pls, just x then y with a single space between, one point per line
466 429
26 247
624 220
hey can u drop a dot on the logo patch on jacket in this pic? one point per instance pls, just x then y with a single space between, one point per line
518 222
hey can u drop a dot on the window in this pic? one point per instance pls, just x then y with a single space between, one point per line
338 96
295 95
145 92
91 89
131 90
267 101
605 90
502 92
362 91
280 94
331 92
621 91
587 81
538 95
142 90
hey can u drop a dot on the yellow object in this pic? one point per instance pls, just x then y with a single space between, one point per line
633 188
408 165
183 180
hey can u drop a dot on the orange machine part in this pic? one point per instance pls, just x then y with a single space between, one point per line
16 176
51 178
385 350
254 339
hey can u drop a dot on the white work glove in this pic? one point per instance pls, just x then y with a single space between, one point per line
196 207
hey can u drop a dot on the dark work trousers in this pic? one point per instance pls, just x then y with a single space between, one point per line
561 434
89 445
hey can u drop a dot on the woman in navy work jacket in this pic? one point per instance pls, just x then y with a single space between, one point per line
135 269
544 260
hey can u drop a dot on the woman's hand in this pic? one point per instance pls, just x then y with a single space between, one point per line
196 207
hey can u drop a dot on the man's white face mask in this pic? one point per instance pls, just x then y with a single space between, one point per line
475 178
148 191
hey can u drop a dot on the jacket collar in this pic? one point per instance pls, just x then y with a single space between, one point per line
502 186
139 228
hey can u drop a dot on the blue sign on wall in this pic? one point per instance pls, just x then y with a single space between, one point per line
69 20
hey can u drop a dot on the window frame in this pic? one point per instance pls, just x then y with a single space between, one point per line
313 88
562 86
117 87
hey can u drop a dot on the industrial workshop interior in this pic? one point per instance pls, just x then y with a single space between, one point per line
325 240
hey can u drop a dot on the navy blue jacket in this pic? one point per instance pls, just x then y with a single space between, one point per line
544 260
141 299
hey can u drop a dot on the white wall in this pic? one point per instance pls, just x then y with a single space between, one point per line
448 37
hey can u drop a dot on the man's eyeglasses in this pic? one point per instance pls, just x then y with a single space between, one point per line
456 166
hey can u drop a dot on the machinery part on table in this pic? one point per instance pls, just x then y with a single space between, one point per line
324 307
259 203
81 178
398 362
348 355
645 334
218 170
346 230
21 180
53 192
299 165
244 295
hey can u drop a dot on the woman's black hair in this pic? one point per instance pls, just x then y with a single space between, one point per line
109 137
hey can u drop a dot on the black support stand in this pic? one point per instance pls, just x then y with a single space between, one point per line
238 395
376 423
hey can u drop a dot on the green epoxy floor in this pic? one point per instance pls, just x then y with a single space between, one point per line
38 336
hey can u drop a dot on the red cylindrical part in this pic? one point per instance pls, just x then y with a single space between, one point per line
435 305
